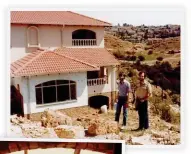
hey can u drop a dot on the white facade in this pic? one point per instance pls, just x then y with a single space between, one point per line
110 86
27 89
55 37
49 37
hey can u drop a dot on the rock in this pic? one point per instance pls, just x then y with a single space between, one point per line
112 127
97 127
65 131
51 118
19 120
103 109
39 132
143 140
101 127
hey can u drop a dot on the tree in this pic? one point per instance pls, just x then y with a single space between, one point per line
141 58
133 58
160 58
150 52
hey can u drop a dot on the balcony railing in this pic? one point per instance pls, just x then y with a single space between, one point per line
84 42
98 81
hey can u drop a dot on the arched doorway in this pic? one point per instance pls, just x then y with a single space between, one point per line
16 102
98 101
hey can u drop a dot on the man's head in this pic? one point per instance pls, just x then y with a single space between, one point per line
142 76
121 77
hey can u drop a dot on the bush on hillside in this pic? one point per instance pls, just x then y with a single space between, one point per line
159 58
118 54
141 58
150 52
163 109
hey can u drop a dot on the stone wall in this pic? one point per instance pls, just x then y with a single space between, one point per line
13 146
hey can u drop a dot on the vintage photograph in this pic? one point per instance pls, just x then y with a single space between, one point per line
29 147
96 75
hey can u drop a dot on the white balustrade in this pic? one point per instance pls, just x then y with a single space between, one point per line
98 81
84 42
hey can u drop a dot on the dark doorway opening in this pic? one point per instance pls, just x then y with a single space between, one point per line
98 101
16 102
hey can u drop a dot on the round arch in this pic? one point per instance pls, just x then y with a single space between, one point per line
83 34
98 100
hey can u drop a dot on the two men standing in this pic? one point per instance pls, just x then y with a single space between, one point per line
143 92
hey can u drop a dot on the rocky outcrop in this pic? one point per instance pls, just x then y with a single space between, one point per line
65 131
51 118
101 127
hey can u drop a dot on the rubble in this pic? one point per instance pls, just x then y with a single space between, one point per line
51 118
91 125
65 131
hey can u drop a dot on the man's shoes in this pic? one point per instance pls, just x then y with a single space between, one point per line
138 129
123 127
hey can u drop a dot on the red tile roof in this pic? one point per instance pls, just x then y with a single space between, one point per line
62 60
95 56
48 62
54 18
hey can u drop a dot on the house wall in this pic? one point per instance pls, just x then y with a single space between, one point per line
108 90
27 88
49 37
97 89
67 36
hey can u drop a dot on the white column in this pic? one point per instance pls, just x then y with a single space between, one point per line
113 78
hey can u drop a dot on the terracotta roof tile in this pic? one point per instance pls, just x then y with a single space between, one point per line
54 18
48 62
95 56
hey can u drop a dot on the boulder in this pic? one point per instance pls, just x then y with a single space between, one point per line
101 127
103 109
97 127
65 131
51 118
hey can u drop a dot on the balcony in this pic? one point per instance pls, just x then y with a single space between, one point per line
98 81
84 42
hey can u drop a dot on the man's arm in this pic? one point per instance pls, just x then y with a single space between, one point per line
149 93
128 91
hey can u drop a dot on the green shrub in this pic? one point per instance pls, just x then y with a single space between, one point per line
141 58
150 52
162 108
159 58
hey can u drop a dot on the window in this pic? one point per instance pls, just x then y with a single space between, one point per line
55 91
83 37
33 36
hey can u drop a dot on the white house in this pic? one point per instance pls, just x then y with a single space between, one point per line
58 60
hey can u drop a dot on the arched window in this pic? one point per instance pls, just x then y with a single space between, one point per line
33 36
55 91
83 37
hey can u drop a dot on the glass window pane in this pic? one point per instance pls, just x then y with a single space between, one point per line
62 82
72 81
63 93
49 94
73 91
49 83
38 96
39 85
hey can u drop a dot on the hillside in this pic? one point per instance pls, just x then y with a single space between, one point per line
143 33
150 50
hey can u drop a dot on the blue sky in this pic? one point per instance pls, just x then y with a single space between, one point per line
138 16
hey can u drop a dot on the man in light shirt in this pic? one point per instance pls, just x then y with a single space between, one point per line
143 92
123 96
